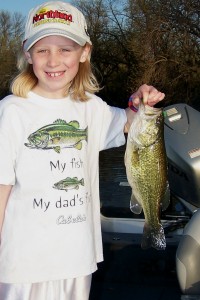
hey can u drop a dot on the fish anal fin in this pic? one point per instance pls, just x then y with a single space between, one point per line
78 146
153 237
135 206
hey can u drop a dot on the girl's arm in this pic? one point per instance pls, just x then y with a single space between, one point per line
4 195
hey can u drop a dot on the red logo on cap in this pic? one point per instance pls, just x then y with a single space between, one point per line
52 15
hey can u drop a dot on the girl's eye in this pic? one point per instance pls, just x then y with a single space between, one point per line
65 50
42 51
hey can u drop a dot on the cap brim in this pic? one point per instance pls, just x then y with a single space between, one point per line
28 43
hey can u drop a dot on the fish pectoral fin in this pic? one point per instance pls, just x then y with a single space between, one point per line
153 237
56 140
125 158
57 149
166 199
135 206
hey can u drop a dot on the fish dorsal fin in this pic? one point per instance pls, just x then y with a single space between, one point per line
75 124
59 121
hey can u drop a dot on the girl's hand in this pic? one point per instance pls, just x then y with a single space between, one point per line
148 93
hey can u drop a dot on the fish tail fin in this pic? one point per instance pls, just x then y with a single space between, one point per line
86 134
135 206
153 238
82 181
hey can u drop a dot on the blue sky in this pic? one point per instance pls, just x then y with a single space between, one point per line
21 6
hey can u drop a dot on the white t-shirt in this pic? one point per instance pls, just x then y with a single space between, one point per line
49 151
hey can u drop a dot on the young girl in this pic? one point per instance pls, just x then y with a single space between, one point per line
52 128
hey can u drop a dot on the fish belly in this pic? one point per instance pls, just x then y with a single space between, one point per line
65 142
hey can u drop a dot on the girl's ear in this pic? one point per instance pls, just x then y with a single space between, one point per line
85 53
28 57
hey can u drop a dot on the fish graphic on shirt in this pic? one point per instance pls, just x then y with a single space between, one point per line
58 135
69 183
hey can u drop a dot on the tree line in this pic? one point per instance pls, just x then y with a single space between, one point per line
134 42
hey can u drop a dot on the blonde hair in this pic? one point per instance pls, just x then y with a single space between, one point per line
84 81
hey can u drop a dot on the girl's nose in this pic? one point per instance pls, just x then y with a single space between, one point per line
53 59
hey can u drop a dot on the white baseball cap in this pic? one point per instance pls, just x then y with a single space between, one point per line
55 18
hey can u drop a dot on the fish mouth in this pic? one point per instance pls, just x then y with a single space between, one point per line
55 186
36 143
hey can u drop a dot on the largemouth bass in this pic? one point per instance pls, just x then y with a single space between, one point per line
146 168
57 135
69 184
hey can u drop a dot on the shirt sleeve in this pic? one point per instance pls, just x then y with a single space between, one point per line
112 130
7 152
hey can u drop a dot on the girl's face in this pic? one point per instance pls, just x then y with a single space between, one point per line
55 61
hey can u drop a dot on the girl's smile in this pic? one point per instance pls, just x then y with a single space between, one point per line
57 74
